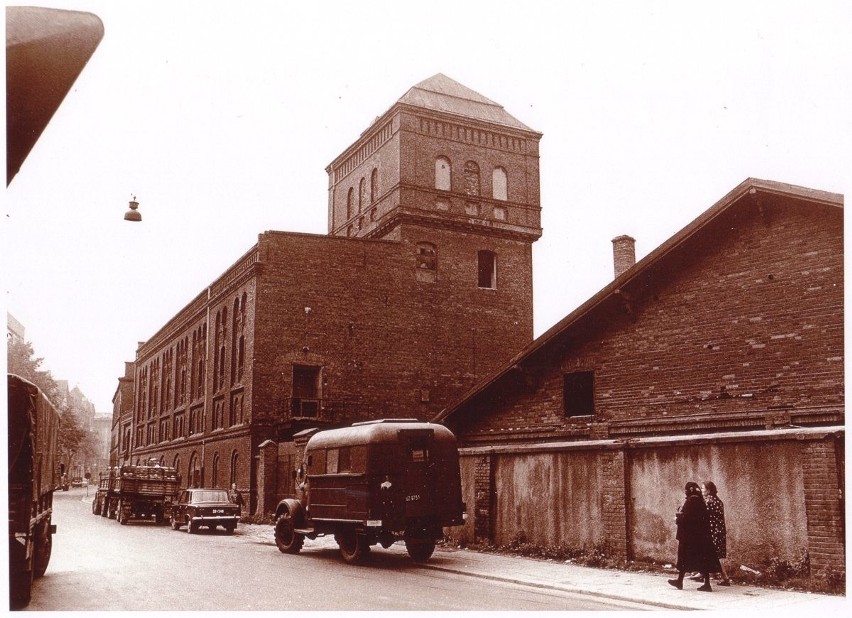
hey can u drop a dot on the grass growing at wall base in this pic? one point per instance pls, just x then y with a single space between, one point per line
775 573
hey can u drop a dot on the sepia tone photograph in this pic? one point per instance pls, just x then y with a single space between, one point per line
480 305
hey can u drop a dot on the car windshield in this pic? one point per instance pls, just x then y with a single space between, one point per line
212 495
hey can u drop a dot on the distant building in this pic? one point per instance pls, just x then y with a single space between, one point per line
719 356
422 286
14 329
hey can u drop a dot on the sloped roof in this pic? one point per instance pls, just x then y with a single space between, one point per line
659 259
440 93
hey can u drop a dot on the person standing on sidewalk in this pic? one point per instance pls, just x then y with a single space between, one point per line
718 532
695 551
235 496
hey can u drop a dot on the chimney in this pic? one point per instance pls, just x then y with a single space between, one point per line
623 253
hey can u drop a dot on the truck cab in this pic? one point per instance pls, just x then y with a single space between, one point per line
376 482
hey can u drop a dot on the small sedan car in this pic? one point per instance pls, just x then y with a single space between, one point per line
204 507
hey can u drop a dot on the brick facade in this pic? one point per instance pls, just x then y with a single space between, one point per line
386 316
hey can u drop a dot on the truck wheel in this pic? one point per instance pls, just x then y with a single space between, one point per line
158 517
96 510
286 538
122 513
420 550
42 550
353 546
20 577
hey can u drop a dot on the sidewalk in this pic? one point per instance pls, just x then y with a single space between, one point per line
650 588
626 586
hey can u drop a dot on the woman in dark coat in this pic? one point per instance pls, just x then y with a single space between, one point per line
695 551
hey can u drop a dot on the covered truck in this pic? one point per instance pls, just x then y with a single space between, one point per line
376 482
136 491
34 473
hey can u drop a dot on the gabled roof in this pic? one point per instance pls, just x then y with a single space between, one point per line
440 93
752 193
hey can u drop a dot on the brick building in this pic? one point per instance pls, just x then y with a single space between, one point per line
719 356
422 286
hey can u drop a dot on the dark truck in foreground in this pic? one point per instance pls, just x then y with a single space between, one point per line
376 482
34 473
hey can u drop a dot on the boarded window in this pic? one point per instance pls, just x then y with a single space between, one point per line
487 269
578 393
499 187
442 174
471 178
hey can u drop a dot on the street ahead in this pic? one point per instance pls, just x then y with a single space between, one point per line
98 564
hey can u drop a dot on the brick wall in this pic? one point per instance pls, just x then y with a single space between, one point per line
824 504
752 323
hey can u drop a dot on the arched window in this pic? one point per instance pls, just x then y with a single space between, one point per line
194 471
362 194
443 175
471 178
374 184
350 199
176 466
235 459
499 186
215 473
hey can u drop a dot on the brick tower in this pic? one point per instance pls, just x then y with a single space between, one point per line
455 178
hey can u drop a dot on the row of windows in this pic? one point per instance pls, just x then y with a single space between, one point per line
362 197
471 179
194 470
172 379
486 264
181 425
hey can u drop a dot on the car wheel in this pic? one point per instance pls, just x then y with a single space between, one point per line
191 526
420 550
122 515
229 529
174 522
353 546
286 538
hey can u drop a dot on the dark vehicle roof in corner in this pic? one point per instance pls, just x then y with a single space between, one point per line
375 432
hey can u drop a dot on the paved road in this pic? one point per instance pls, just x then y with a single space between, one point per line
98 564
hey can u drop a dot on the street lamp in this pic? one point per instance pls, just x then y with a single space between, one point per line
133 214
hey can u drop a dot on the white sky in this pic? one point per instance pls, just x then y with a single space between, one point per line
222 116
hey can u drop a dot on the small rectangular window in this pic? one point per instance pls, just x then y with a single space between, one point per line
578 393
487 270
331 458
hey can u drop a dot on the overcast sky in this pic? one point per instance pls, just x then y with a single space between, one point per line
220 117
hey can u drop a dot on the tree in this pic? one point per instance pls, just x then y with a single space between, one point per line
21 361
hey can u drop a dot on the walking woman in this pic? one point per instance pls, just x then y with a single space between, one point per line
695 551
716 518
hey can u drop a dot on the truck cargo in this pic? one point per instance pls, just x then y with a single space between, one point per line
376 482
136 491
34 474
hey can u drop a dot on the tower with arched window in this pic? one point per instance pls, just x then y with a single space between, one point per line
450 173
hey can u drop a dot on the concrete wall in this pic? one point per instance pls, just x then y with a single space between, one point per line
624 495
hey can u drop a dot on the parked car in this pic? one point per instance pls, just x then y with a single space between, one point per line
198 507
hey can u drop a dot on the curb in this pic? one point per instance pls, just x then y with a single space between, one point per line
572 590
